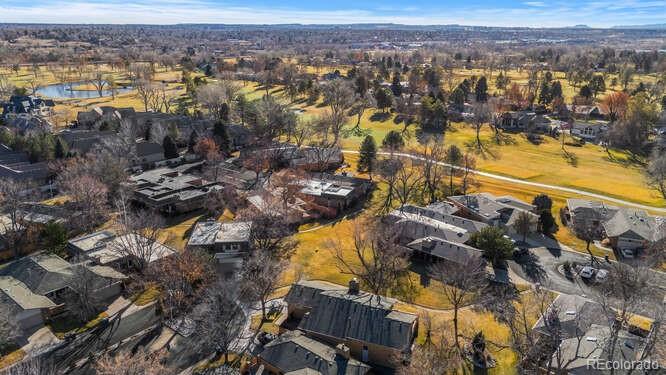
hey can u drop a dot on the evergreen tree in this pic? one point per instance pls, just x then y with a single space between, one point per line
367 155
222 137
458 98
544 93
586 92
384 99
481 90
61 149
192 142
170 148
393 141
556 90
224 113
396 86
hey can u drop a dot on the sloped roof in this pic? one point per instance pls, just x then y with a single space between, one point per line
632 220
21 295
41 273
364 317
452 251
294 353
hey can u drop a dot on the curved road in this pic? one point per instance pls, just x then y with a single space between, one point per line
530 183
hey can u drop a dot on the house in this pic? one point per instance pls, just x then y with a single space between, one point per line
336 192
441 249
583 215
585 111
295 353
627 229
108 115
584 334
81 141
108 249
496 211
16 165
413 222
228 242
37 286
365 323
524 121
28 104
148 153
26 123
632 229
308 158
172 190
591 131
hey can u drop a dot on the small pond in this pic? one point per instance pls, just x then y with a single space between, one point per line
65 91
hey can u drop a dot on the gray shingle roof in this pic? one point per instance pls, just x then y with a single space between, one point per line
364 317
452 251
628 220
294 353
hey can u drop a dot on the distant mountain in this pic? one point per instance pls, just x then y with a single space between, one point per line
657 26
580 27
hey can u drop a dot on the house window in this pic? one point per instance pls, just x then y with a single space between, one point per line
364 354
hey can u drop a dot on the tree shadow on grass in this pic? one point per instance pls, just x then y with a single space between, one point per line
485 150
380 116
570 157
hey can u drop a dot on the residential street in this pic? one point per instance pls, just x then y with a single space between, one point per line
546 260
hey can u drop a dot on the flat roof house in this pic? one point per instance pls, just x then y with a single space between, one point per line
295 353
335 192
228 242
366 323
172 190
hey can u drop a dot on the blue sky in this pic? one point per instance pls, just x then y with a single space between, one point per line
532 13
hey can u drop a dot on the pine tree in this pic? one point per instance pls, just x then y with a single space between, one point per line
224 113
367 155
61 149
170 148
556 90
192 142
222 137
481 90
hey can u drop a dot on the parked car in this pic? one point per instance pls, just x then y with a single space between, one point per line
587 272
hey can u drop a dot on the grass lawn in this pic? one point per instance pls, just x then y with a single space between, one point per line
64 325
594 170
11 358
148 295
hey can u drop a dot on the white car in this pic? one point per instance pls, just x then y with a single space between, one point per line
587 272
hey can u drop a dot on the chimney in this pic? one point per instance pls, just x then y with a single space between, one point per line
353 286
343 351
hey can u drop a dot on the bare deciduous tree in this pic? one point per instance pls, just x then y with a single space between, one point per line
376 260
432 170
126 363
219 318
260 278
12 194
460 283
138 232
